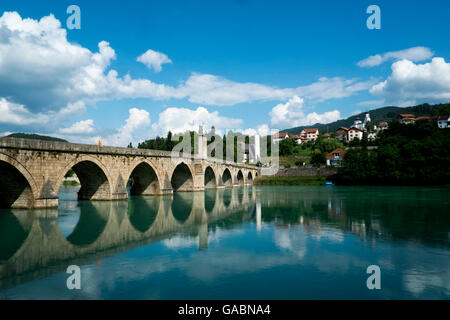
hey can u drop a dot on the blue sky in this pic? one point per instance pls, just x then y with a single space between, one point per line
249 65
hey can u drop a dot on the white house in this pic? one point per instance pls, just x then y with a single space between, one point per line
354 133
443 122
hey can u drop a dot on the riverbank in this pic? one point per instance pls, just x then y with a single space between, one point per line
289 181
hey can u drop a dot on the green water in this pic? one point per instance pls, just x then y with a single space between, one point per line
241 243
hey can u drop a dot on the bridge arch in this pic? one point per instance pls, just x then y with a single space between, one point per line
240 178
182 178
145 179
227 180
210 178
17 186
95 179
249 177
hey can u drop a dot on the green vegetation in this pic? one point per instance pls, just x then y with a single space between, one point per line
71 183
69 174
34 137
414 154
304 181
167 144
292 153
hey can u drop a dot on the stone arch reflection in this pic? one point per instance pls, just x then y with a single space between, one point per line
142 212
182 204
227 197
91 223
14 230
210 200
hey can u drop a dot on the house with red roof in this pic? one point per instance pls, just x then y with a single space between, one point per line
280 136
310 134
334 158
406 118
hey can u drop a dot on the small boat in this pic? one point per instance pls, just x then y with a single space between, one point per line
329 183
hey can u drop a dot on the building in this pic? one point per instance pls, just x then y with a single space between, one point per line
443 122
358 124
354 133
383 126
342 134
298 139
371 136
310 134
406 118
280 136
334 158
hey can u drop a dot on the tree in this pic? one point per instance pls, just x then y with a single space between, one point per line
130 145
318 158
287 146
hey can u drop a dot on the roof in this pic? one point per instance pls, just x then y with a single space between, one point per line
342 128
423 118
353 128
311 130
443 118
383 124
338 150
326 135
281 135
405 115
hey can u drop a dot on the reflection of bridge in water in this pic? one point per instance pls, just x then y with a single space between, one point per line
33 246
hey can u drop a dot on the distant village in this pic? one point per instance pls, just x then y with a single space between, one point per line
356 131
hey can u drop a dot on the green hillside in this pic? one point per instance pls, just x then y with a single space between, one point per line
34 136
377 115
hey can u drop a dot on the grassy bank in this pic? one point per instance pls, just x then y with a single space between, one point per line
301 181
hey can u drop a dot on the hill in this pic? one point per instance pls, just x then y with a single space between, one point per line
377 116
34 136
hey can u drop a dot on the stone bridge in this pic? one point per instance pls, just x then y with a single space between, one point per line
33 242
31 172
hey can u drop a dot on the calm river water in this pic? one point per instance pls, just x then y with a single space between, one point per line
240 243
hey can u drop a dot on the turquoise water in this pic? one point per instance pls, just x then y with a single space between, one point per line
241 243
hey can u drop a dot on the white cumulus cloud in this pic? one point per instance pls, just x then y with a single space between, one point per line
411 83
154 59
182 119
291 114
17 114
415 54
80 127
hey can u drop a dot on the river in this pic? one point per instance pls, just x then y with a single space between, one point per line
261 242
